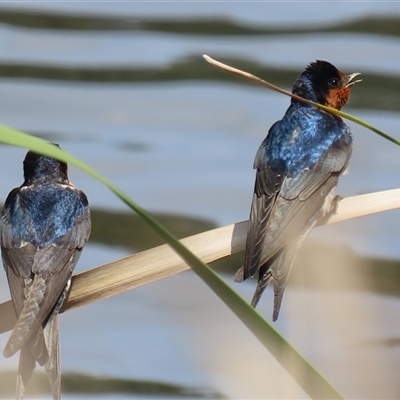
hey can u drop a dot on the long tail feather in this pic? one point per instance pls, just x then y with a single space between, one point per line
25 369
261 286
53 365
280 272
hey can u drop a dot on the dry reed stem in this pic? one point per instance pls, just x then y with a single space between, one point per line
160 262
253 78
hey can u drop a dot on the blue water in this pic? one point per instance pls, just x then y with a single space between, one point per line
188 147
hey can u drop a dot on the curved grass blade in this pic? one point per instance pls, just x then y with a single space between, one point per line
300 369
253 78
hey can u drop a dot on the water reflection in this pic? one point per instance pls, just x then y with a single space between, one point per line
83 385
386 95
195 25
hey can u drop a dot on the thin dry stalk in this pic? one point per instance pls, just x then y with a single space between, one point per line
160 262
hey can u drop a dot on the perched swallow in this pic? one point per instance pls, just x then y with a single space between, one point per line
298 166
45 224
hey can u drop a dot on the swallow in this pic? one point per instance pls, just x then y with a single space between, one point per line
45 224
297 170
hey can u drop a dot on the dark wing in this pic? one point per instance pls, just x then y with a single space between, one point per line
36 298
283 207
269 179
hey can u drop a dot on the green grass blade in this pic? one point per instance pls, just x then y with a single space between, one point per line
300 369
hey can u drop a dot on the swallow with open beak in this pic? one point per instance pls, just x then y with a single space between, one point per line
297 170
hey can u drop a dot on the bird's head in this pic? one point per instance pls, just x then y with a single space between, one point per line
41 168
323 83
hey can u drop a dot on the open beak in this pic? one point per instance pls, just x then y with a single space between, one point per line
350 78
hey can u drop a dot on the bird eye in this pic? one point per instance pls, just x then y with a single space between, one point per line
334 82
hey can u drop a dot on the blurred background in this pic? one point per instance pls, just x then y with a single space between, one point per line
123 86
